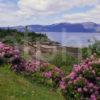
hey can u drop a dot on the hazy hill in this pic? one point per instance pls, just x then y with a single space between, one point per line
59 27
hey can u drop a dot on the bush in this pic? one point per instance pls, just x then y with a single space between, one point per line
95 48
83 82
63 59
88 51
7 53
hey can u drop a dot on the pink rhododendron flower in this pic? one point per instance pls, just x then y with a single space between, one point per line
72 75
62 85
85 89
93 97
47 74
79 89
91 85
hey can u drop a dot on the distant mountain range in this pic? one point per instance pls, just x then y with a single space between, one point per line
62 27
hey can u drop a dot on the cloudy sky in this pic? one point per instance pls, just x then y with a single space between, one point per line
25 12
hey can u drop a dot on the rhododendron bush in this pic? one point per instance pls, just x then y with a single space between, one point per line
55 74
37 69
7 53
83 83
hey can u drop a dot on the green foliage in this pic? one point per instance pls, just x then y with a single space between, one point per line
69 95
95 48
12 36
88 51
97 69
8 40
33 37
63 59
89 75
80 83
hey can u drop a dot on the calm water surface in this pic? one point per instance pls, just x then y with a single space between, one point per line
73 39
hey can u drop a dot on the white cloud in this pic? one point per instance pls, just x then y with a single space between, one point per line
41 7
46 7
91 16
4 8
28 11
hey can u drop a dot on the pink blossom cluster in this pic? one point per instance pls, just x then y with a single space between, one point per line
47 74
53 73
18 64
57 72
84 80
8 51
62 85
31 66
35 65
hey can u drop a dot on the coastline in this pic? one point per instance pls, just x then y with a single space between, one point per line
39 48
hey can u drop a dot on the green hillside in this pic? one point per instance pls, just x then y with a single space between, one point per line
16 87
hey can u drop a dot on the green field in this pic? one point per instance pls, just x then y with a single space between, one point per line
16 87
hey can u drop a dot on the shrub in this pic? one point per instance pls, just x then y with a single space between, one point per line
63 59
84 81
95 48
88 51
7 53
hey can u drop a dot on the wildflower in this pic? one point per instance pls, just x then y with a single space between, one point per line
62 85
93 97
47 74
85 89
79 89
91 85
72 75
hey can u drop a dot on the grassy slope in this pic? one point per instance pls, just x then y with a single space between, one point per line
15 87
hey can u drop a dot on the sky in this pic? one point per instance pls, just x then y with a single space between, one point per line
27 12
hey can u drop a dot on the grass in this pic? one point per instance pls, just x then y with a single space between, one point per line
16 87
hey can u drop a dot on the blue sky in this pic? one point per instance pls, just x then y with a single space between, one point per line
25 12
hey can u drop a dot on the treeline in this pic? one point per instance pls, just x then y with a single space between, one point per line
11 36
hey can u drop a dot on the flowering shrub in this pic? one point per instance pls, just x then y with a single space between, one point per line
7 53
83 82
35 65
53 75
39 70
18 64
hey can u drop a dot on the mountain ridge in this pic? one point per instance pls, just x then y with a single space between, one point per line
62 27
